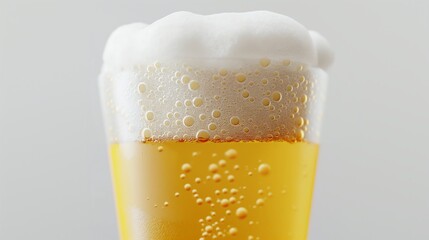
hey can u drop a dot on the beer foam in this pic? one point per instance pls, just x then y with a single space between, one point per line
185 35
223 77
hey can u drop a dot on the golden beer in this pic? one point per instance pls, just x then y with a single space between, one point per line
229 190
213 130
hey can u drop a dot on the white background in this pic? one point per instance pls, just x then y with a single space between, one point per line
373 175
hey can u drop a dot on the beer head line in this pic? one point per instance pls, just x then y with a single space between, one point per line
185 35
223 77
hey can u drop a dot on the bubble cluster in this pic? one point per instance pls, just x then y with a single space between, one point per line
242 100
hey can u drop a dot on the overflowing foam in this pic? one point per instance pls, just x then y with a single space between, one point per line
184 35
227 77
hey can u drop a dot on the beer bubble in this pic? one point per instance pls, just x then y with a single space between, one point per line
250 237
197 102
234 191
208 200
225 190
160 148
217 177
245 94
216 113
289 88
260 202
146 133
232 200
194 85
264 169
212 126
236 167
228 212
182 176
209 229
224 202
246 129
176 194
241 213
194 154
198 180
276 96
209 219
165 204
187 187
186 167
261 192
213 168
194 191
141 88
199 201
202 135
270 194
264 62
233 231
178 104
231 178
222 163
240 77
231 154
217 192
185 79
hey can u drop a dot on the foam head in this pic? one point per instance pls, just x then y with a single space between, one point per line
229 76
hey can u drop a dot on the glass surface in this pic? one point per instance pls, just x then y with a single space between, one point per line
214 149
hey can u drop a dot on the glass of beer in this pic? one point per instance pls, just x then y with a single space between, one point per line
206 146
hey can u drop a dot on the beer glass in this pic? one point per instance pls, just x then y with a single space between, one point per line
213 148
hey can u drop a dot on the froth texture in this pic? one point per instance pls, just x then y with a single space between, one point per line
184 35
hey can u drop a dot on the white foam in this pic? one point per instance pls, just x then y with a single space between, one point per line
184 35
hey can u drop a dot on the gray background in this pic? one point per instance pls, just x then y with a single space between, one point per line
373 176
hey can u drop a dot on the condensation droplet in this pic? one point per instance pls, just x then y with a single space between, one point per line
240 77
150 116
216 113
146 133
185 79
194 85
212 126
276 96
197 102
188 121
234 120
266 102
141 88
245 94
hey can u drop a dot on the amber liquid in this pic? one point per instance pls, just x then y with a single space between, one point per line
201 191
